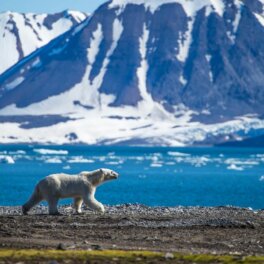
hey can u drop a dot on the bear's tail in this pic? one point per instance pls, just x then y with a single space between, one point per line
35 198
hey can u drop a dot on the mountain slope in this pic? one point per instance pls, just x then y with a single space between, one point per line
167 72
21 34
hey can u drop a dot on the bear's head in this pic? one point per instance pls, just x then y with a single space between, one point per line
108 174
100 176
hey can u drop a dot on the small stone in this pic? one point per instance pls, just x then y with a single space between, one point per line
53 262
61 246
96 247
169 255
251 224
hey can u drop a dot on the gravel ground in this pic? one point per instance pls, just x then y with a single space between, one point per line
214 230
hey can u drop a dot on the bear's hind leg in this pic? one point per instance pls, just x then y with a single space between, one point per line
78 205
35 198
53 209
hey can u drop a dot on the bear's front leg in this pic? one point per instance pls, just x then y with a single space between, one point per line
92 203
78 205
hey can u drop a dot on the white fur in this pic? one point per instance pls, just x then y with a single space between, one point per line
81 187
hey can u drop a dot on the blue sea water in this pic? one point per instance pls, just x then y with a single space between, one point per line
148 175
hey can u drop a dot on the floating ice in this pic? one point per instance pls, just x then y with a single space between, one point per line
157 165
51 151
6 159
80 159
178 154
53 160
170 163
17 152
246 162
198 161
235 167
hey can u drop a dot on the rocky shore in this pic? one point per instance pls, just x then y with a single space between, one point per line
197 230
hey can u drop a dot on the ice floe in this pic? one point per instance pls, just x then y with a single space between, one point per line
80 159
51 151
235 167
178 154
6 159
261 178
53 160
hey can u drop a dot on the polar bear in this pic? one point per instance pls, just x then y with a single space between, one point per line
81 187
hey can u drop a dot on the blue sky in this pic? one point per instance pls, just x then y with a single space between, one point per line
49 6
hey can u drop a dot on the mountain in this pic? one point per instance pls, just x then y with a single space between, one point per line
21 34
168 72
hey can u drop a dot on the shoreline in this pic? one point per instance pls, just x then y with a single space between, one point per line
126 208
186 230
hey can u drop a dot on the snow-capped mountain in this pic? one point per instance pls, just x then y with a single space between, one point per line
167 72
21 34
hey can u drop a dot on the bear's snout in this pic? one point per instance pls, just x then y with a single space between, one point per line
114 175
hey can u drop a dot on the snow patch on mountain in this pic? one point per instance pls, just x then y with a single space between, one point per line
21 34
235 23
142 70
260 18
97 82
185 41
191 6
79 16
94 47
91 97
7 58
14 83
37 63
239 5
182 80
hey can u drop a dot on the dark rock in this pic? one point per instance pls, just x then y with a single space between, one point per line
96 247
61 246
53 262
34 121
